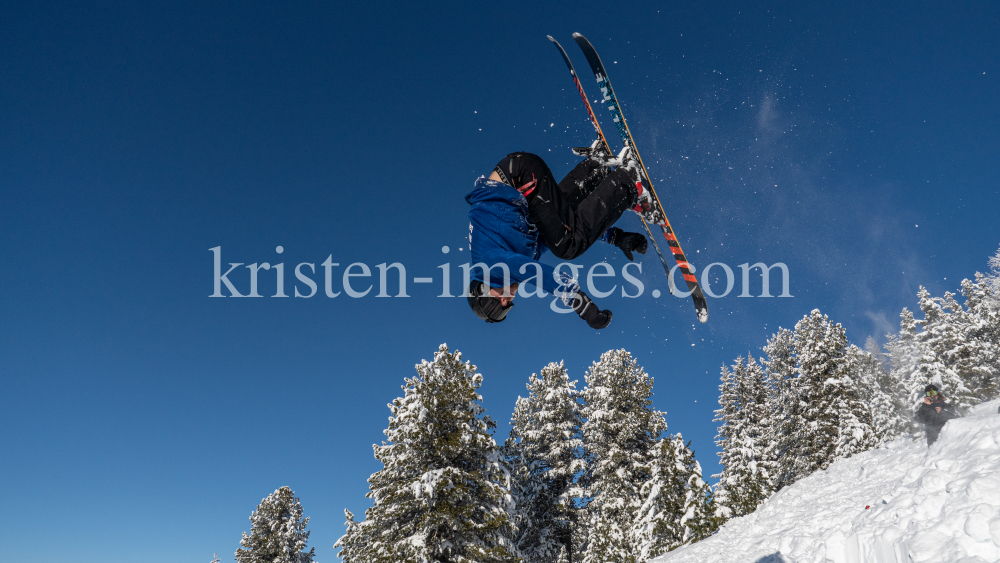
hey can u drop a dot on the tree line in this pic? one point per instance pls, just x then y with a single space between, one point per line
813 397
586 475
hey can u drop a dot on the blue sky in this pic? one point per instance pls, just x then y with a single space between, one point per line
141 419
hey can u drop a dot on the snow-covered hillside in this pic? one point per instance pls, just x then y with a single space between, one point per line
900 503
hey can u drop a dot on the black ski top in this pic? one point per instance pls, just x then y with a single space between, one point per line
934 421
927 414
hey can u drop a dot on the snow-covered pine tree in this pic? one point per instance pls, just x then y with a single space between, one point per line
762 410
904 351
760 470
215 558
957 348
779 358
864 370
607 541
992 282
439 495
784 418
701 515
982 336
277 533
981 354
940 335
872 347
658 527
837 421
678 508
744 437
728 414
890 416
620 431
898 419
988 311
544 452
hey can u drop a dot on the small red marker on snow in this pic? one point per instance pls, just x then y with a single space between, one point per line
867 506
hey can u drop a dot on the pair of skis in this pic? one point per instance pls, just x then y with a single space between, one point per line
611 101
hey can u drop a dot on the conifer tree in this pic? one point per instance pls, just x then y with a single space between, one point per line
760 465
897 418
882 396
991 283
784 409
701 515
837 423
439 495
940 336
744 437
728 414
678 508
658 527
905 351
981 353
956 348
607 541
278 532
620 431
872 347
779 357
544 453
814 440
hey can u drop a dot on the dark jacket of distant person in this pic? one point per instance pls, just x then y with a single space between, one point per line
933 413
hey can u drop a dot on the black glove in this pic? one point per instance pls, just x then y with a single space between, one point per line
590 312
627 241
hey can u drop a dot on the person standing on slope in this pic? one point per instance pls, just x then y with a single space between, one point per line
520 211
934 413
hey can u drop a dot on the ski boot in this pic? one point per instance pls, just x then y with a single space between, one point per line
645 206
596 151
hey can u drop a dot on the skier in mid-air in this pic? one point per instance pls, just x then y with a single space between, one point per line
520 211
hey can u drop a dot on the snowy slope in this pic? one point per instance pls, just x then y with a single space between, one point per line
937 505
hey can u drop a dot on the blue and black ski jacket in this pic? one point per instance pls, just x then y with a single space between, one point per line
501 233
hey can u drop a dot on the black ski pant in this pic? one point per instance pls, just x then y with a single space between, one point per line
574 213
933 431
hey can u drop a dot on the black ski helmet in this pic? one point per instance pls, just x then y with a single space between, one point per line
932 387
484 305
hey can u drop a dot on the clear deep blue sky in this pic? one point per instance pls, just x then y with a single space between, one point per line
142 420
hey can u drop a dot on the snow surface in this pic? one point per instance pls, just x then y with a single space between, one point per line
927 505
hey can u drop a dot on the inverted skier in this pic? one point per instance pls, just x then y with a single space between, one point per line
520 211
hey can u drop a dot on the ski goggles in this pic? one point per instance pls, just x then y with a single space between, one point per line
932 393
